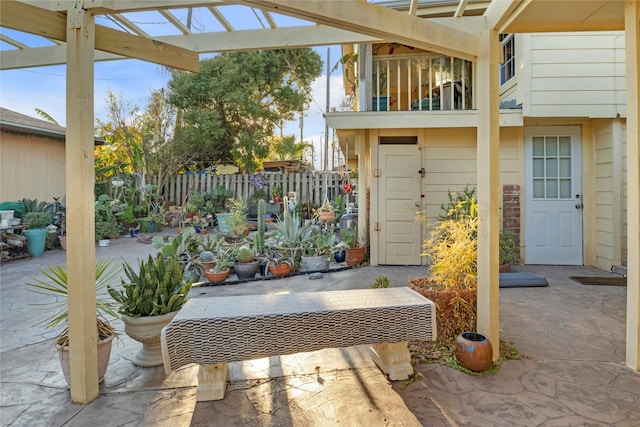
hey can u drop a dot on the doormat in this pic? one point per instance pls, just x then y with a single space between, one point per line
522 280
602 281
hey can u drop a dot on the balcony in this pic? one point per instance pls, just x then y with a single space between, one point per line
421 83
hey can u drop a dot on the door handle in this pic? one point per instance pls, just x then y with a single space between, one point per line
578 205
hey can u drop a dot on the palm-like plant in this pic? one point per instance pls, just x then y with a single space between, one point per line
56 284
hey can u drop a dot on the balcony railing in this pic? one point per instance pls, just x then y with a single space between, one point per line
421 82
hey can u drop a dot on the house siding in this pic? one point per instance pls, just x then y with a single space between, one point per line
450 162
31 167
575 75
610 194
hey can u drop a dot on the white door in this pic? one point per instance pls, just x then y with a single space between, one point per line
400 239
553 195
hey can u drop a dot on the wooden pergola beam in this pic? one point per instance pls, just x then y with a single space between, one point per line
53 25
377 21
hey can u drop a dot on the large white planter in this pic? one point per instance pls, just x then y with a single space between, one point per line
146 329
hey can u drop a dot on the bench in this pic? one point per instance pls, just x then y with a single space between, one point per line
214 331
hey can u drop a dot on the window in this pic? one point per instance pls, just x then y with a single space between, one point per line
508 67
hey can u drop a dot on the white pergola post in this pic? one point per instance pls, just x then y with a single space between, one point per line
488 158
632 45
80 178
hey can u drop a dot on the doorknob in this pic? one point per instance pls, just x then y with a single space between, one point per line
578 205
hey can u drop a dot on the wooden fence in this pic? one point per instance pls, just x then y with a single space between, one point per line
309 186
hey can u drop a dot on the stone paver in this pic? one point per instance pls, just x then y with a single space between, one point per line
572 335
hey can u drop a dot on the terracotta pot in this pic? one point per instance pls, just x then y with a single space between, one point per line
325 215
504 268
104 354
473 351
146 329
216 276
355 255
279 270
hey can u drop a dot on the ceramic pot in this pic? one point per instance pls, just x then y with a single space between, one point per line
104 354
146 329
216 276
246 270
355 255
279 270
473 351
315 263
340 256
36 239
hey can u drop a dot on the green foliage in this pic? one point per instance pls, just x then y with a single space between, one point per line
322 245
233 105
32 205
37 219
219 198
461 204
259 235
157 288
381 282
348 236
55 285
106 221
509 250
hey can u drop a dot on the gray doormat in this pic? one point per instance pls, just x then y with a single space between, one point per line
523 279
600 280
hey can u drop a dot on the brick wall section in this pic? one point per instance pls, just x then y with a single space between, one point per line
511 210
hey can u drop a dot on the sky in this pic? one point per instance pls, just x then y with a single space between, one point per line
43 88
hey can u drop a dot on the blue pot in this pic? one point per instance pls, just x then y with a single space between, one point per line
340 256
36 239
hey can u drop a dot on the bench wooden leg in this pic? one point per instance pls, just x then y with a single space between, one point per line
394 359
212 382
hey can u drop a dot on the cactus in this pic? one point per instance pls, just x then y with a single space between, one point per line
262 208
245 254
158 288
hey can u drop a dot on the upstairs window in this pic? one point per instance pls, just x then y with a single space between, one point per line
508 67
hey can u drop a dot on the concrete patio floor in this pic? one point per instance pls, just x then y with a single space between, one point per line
573 375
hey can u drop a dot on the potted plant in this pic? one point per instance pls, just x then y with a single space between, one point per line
246 264
55 285
224 261
107 225
149 299
36 232
276 193
321 247
354 253
278 264
326 212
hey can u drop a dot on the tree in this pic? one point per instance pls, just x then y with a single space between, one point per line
231 107
286 148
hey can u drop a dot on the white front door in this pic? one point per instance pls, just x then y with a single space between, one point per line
400 239
553 195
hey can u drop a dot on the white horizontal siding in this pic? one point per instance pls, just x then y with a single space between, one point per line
575 75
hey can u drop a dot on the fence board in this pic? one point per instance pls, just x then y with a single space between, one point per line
308 185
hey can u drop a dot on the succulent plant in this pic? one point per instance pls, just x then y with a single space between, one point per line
245 254
158 288
206 256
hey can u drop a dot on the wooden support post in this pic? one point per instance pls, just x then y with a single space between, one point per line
632 45
488 158
80 178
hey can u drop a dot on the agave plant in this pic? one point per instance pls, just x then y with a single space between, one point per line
56 284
